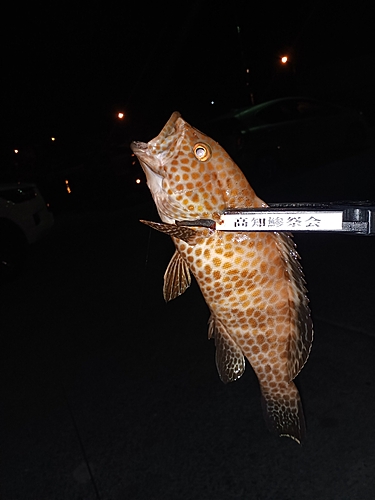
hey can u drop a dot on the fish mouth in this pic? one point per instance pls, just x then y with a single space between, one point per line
155 152
168 129
138 147
149 165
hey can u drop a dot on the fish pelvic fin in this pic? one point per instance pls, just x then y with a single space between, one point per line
230 361
176 278
283 412
184 233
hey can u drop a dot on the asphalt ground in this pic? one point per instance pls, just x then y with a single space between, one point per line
109 393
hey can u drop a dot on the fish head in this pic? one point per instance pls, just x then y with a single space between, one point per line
190 175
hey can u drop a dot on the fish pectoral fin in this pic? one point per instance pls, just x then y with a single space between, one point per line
184 233
230 361
176 277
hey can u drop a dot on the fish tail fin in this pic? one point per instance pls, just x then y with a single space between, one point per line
283 412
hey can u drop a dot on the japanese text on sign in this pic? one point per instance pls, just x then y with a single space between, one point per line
280 221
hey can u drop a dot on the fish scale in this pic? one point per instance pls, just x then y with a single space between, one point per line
252 282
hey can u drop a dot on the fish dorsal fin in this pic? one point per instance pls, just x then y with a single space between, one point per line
300 338
185 233
230 361
176 277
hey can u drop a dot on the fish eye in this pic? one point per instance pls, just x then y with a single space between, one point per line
202 151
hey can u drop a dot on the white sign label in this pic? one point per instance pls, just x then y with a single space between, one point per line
268 220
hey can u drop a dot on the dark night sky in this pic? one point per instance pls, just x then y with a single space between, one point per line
68 70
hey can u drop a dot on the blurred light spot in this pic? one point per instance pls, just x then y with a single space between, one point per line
120 115
16 151
138 181
284 59
67 186
53 139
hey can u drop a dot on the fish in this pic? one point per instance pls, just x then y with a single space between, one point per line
252 282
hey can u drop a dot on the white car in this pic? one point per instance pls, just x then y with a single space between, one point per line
24 219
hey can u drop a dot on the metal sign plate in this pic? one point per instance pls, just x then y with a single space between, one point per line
272 220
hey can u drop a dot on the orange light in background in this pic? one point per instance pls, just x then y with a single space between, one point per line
284 59
53 139
67 186
138 181
16 151
120 115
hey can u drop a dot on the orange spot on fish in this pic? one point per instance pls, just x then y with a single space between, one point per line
263 267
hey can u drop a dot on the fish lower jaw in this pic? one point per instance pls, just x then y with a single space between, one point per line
138 146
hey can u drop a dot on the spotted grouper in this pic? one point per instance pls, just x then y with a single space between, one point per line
252 282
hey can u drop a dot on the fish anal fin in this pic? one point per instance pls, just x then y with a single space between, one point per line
176 277
184 233
230 361
283 412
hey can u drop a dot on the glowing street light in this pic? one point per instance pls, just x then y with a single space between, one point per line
120 115
284 59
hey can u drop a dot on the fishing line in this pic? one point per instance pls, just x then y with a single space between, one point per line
60 386
83 450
